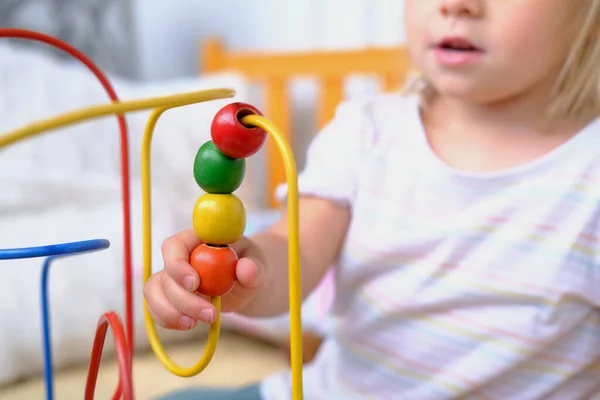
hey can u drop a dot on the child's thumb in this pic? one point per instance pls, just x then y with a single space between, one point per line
250 272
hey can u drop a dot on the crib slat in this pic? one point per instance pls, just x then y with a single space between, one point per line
390 83
330 95
277 108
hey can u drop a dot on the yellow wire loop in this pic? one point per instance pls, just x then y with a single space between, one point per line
121 107
157 347
293 251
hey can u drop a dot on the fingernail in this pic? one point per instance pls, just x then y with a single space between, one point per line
189 283
186 322
207 316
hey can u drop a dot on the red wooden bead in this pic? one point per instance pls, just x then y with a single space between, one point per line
232 137
216 266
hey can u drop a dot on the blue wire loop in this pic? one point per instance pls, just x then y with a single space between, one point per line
61 249
51 252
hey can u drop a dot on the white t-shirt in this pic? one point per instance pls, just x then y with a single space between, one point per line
452 284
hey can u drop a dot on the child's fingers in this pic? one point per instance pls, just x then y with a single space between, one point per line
188 303
182 273
249 273
176 253
182 243
162 311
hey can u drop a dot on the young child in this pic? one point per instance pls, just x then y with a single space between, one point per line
463 224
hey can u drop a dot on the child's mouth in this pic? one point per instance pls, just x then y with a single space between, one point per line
456 51
457 44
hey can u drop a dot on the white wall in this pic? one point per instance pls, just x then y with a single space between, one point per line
167 32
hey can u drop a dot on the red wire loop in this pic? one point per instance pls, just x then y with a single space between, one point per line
124 357
127 270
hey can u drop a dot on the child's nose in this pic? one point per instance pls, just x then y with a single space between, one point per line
461 8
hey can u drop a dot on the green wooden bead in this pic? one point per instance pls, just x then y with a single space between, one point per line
217 173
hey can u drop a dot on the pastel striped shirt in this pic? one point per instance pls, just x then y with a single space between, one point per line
454 285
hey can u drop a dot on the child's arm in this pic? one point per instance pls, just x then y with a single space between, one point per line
323 226
262 271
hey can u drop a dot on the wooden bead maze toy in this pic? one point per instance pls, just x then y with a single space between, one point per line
238 131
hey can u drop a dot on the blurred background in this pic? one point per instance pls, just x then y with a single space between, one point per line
66 187
158 39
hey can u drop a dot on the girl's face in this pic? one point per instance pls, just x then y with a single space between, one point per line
488 50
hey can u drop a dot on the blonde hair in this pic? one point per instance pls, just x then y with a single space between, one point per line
577 89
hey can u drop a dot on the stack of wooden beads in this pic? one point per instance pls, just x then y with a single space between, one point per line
219 217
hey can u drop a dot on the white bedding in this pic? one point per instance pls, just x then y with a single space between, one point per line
65 186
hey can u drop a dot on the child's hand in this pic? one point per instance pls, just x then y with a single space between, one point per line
171 295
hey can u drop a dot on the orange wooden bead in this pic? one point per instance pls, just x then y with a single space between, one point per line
216 266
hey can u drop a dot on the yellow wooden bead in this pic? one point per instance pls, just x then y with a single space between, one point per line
219 219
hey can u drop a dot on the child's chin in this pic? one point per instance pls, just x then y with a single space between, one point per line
462 89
